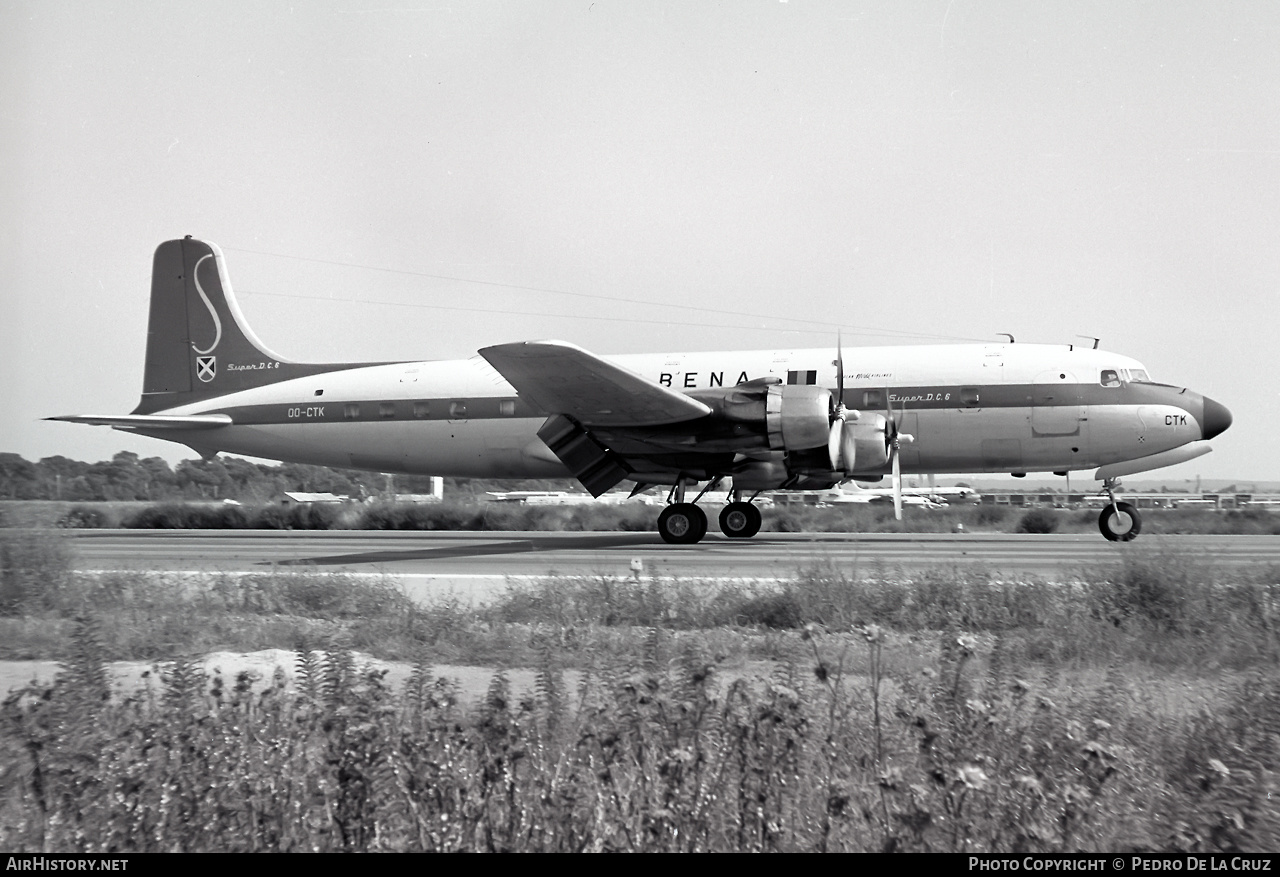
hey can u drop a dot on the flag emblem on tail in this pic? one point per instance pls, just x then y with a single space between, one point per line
206 367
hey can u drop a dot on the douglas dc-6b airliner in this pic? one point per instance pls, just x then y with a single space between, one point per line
755 420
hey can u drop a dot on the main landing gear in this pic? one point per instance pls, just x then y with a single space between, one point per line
1119 522
740 520
684 523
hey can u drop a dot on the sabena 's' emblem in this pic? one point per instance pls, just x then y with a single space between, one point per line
217 323
206 367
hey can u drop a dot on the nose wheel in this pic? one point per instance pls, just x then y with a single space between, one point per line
1119 521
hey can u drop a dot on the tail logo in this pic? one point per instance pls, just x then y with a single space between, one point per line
217 323
206 367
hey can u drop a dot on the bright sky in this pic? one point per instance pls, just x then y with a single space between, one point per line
418 179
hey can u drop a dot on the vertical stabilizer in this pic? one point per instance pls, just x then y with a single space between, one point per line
198 343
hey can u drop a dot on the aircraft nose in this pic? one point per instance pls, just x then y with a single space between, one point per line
1216 418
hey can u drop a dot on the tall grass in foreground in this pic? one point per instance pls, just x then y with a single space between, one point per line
1136 707
668 756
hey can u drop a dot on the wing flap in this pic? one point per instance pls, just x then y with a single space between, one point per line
562 378
150 421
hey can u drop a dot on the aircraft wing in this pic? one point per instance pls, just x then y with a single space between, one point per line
149 421
561 378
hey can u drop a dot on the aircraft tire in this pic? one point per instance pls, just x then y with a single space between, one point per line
740 520
1120 523
682 523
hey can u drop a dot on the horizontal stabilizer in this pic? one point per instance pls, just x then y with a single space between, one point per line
149 421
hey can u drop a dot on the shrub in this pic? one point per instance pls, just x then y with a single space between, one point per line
315 595
400 516
779 611
177 516
83 517
35 567
302 516
1154 591
504 516
1038 521
990 514
782 521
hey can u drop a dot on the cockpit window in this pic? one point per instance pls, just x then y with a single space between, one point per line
1110 377
1139 375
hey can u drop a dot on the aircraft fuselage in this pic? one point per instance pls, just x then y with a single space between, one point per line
971 408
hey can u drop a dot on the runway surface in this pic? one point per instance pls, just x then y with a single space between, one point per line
768 556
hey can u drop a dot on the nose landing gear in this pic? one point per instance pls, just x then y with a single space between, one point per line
1119 522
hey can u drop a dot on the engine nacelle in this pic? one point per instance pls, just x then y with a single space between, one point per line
766 414
868 433
798 417
857 446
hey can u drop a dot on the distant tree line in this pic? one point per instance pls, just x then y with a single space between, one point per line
127 477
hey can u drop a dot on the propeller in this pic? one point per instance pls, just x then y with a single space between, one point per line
841 445
894 439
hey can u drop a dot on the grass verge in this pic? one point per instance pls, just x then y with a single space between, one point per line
1134 709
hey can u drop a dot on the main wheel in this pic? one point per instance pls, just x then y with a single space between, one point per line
740 520
682 523
1120 522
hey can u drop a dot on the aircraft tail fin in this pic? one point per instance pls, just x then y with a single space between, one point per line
198 343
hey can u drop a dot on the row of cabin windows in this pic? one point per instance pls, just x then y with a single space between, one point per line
874 399
871 399
457 410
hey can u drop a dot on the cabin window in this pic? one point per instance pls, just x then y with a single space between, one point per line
809 377
507 407
351 411
421 409
386 410
1110 377
457 409
970 396
872 399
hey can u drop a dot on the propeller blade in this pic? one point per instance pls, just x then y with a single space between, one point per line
890 426
897 485
842 447
839 371
849 451
841 443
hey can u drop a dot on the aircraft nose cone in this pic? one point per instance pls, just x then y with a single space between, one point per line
1216 419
